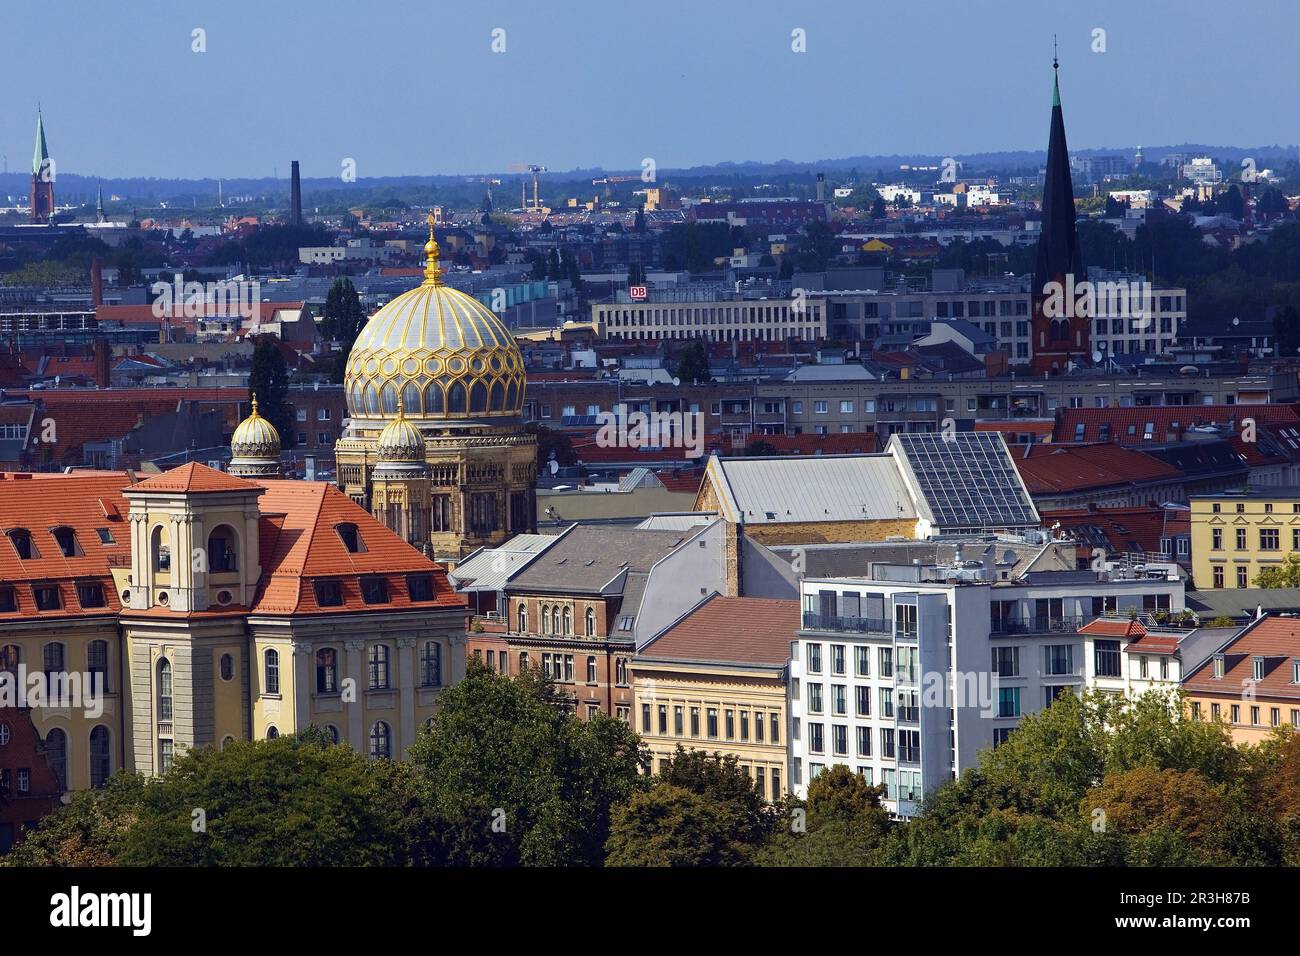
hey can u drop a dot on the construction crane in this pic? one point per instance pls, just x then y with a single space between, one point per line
536 170
614 179
488 181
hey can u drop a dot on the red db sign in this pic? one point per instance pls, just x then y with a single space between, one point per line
636 291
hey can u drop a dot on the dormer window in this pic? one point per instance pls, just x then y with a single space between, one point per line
47 597
374 590
22 541
8 600
420 587
1218 667
1257 668
90 594
67 541
328 593
350 537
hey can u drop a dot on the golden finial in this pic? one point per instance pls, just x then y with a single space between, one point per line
254 414
399 408
432 274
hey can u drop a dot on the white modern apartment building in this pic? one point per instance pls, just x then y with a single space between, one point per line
906 674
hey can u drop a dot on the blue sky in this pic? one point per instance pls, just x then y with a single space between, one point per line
408 87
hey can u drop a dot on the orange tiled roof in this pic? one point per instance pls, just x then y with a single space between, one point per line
84 502
193 478
1103 627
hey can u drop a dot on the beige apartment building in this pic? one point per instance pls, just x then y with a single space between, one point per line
715 680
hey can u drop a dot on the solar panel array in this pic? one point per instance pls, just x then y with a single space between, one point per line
968 480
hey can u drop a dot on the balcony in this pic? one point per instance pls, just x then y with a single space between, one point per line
847 625
1068 624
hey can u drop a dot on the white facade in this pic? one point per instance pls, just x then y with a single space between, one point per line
906 681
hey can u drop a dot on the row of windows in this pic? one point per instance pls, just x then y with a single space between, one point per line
374 590
1270 539
54 655
733 730
902 745
56 755
556 619
1234 717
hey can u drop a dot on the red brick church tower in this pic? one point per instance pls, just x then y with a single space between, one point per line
1064 336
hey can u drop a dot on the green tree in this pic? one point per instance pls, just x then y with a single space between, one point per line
88 831
672 826
268 381
518 777
342 320
693 364
292 801
846 825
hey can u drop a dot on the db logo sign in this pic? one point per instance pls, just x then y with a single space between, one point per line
636 291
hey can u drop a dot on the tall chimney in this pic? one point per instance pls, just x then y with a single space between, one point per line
102 376
295 198
96 283
821 187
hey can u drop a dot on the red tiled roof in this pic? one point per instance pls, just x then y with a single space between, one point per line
84 502
1053 468
1026 427
680 482
736 630
193 478
1154 644
1127 426
1276 639
1104 627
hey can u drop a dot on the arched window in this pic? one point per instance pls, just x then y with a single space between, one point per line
555 621
478 398
523 661
510 396
54 660
456 399
227 667
567 623
327 671
223 550
226 741
431 664
381 740
545 612
411 399
620 672
372 400
66 538
10 655
22 541
160 551
101 756
272 671
378 666
591 622
591 669
498 397
164 689
272 732
523 618
389 399
333 732
433 399
56 755
97 665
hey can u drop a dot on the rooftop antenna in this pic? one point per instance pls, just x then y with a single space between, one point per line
1056 64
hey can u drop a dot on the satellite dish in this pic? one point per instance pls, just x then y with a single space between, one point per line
1096 358
554 465
676 381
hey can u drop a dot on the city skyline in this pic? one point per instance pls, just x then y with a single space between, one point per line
707 93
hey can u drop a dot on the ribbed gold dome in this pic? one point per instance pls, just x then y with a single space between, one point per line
400 441
255 437
443 352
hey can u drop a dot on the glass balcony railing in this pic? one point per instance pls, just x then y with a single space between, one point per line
852 625
1064 624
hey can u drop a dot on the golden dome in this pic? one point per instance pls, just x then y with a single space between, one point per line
400 441
255 437
442 352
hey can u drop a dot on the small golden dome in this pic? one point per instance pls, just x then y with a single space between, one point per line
255 437
444 353
400 441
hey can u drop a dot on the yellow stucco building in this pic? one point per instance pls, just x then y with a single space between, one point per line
1235 535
